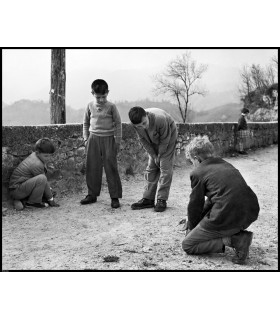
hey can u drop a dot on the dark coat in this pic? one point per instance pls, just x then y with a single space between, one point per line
231 202
242 123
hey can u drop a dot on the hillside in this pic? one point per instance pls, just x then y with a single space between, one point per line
226 113
27 112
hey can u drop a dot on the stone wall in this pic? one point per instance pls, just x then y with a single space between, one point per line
65 171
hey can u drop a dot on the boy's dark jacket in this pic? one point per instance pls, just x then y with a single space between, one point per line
242 123
231 202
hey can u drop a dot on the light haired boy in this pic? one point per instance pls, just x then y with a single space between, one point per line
230 208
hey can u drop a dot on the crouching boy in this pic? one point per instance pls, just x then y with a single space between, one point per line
230 208
29 182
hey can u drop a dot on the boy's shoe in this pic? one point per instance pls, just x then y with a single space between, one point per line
143 204
88 199
160 206
18 205
52 203
241 243
36 205
44 199
115 203
243 152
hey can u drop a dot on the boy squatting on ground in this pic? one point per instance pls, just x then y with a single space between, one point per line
101 122
230 208
158 134
242 131
28 181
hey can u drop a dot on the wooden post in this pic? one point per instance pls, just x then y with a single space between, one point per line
57 92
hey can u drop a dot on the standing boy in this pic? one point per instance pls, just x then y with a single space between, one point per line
102 132
158 134
28 181
242 131
230 208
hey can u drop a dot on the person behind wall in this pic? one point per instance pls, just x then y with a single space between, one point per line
157 132
28 183
102 132
243 133
230 207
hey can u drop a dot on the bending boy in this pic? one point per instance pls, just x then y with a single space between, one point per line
29 179
158 134
230 208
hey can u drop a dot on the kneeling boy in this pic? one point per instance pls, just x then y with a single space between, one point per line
28 181
230 208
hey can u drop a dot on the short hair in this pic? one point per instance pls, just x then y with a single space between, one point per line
245 110
136 114
44 145
99 86
200 146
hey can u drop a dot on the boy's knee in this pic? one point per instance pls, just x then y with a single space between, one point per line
187 246
41 178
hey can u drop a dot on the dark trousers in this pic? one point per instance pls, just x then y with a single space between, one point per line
33 189
102 152
200 240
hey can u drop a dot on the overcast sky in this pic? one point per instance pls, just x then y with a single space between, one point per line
26 72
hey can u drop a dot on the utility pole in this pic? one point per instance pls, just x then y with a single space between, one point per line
57 92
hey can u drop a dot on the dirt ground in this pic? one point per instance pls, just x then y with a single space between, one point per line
75 237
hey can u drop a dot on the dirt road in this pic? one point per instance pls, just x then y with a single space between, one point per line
78 237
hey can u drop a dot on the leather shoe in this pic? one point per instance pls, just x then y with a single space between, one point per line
241 243
143 204
88 199
115 203
160 206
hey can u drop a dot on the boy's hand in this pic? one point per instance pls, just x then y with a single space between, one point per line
157 161
52 203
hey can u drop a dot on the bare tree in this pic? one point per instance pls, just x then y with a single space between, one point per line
57 92
275 61
180 80
270 74
246 83
258 77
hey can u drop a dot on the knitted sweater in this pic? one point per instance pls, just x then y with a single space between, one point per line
102 120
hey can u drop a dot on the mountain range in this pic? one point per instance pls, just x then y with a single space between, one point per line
19 113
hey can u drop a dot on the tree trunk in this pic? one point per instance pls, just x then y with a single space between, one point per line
57 92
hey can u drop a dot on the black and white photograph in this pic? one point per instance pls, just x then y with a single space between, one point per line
141 159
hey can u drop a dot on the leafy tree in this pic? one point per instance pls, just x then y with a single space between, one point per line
180 80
